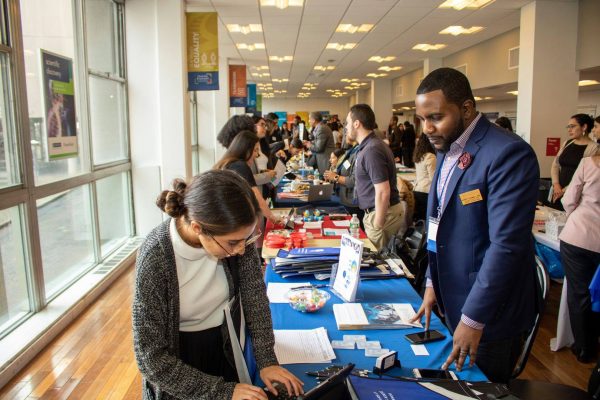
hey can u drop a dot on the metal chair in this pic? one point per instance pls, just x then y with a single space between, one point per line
542 289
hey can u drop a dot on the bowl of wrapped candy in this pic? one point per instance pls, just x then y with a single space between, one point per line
307 299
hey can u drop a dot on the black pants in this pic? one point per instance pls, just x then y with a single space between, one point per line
497 359
420 206
407 157
580 266
203 350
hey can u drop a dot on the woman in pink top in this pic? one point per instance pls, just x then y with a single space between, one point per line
580 254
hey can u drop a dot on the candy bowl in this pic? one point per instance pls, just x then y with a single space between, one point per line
307 299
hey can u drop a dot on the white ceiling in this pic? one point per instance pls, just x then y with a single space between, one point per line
303 32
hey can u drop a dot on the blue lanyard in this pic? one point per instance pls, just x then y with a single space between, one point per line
443 188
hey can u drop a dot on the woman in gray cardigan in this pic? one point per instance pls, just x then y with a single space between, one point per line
187 270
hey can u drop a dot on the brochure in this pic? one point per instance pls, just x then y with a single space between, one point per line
351 316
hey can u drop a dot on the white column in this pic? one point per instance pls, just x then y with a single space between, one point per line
381 101
430 64
158 103
547 74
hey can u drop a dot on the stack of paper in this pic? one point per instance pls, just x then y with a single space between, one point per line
374 316
303 346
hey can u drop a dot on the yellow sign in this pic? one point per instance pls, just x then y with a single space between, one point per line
202 51
469 197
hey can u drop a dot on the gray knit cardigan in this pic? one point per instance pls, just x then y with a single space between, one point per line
156 321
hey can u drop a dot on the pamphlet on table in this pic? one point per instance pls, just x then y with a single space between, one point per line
310 346
347 275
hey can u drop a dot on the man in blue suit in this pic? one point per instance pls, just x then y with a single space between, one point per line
480 210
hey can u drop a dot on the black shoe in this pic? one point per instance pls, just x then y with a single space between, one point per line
586 356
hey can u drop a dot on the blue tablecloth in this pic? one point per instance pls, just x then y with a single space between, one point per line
288 203
384 291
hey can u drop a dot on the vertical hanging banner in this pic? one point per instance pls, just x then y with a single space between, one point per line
259 103
59 103
237 86
202 51
251 106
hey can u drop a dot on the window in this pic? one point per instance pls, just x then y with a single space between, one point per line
65 205
14 298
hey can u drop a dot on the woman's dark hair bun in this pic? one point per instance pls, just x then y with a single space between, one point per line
171 201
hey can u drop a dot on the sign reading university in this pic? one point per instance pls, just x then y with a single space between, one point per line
238 92
202 51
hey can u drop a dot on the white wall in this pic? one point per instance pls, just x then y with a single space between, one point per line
487 62
409 84
337 106
588 50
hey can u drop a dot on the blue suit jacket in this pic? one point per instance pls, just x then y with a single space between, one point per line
484 266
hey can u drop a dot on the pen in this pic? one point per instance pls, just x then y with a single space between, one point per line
311 286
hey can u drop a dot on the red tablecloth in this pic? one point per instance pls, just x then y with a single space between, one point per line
327 223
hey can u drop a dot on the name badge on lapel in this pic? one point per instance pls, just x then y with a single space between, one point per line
432 234
347 164
472 196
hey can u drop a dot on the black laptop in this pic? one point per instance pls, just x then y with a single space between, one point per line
333 388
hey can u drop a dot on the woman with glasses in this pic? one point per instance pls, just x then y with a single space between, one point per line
240 155
188 269
577 147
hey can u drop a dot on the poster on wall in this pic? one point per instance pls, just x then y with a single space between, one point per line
59 105
282 117
290 119
303 116
238 91
552 146
251 106
326 115
202 51
259 103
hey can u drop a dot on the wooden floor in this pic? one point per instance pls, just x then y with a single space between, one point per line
93 358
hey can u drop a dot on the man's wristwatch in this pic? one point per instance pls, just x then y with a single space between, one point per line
336 178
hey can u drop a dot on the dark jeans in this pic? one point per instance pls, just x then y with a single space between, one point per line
580 266
204 350
497 359
407 157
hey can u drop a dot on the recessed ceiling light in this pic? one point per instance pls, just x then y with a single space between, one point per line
281 59
373 75
456 30
324 68
281 4
250 47
388 69
245 29
461 4
406 108
280 80
427 47
380 59
514 92
588 82
349 80
340 46
260 75
280 91
259 68
349 28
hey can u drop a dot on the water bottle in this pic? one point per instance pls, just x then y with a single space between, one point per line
354 226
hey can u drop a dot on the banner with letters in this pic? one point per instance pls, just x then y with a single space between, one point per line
59 105
251 106
259 103
238 91
202 51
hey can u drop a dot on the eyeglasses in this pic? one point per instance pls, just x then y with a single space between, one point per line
246 242
262 124
571 126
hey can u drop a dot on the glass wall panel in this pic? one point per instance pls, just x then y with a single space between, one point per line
9 161
52 90
14 300
114 211
66 237
109 128
101 44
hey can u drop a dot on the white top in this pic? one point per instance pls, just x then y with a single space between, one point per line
424 169
203 287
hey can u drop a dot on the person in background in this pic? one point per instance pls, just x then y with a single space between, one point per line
334 159
276 135
577 147
187 270
408 144
233 126
375 177
596 130
394 137
482 270
505 123
345 180
296 147
425 163
262 167
580 254
285 132
322 144
240 155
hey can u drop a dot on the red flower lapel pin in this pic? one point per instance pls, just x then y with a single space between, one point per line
465 160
